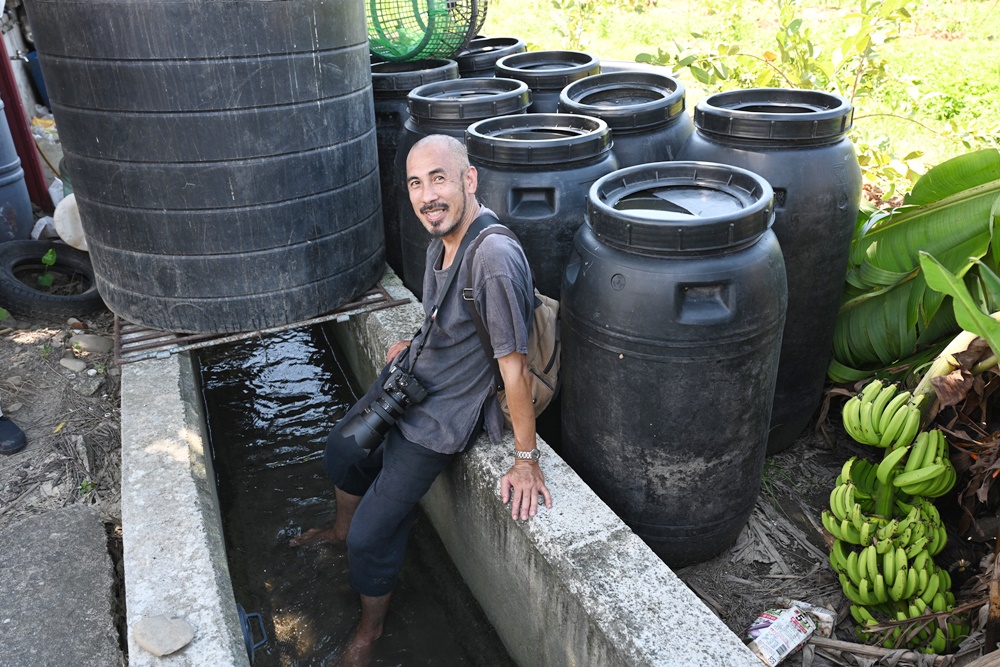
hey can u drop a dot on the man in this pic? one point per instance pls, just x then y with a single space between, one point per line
377 494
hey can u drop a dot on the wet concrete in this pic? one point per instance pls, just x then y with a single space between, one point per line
269 406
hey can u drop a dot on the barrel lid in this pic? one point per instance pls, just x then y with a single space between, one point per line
537 139
399 78
625 100
775 113
680 207
544 70
469 99
483 53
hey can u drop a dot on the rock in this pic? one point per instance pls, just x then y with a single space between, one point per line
88 386
75 365
14 407
162 635
91 343
15 380
91 372
76 324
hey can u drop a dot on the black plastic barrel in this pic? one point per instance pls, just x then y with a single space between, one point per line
645 112
223 155
796 139
478 60
672 307
447 107
534 172
16 218
547 73
391 83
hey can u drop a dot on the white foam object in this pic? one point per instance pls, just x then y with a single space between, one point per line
67 220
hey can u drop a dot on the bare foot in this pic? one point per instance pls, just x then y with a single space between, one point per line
358 653
317 536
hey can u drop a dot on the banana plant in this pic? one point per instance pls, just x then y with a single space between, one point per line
889 314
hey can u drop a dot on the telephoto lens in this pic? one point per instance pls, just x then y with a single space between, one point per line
401 390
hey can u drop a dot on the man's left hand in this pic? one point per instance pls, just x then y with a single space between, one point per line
521 486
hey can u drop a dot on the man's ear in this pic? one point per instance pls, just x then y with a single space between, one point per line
471 180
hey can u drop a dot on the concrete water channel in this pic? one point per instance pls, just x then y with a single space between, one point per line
573 586
269 405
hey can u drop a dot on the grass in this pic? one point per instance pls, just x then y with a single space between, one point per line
943 80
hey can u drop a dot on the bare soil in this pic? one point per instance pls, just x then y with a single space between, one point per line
71 420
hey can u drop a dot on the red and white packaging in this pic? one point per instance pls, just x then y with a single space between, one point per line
777 633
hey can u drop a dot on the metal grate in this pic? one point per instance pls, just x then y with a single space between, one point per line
134 342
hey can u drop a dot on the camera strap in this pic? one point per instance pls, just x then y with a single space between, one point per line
477 226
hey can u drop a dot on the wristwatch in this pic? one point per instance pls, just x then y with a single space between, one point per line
534 454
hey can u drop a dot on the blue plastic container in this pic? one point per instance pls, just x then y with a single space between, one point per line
16 217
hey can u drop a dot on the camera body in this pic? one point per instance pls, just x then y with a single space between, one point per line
400 390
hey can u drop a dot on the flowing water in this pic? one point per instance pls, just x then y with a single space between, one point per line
270 404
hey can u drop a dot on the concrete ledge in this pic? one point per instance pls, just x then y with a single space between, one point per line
174 553
56 591
574 585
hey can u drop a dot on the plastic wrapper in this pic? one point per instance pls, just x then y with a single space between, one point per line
777 633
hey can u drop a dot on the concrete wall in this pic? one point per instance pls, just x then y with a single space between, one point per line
174 552
573 586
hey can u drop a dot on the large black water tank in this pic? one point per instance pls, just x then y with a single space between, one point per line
446 108
391 83
534 172
797 140
223 154
672 308
478 60
645 111
547 73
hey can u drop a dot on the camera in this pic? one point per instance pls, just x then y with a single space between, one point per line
399 391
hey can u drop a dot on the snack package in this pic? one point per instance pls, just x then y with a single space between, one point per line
777 633
825 619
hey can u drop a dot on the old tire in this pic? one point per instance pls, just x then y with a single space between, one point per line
24 301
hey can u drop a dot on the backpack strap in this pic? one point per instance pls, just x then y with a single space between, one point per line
470 303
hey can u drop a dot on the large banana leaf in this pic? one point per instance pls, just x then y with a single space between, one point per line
888 312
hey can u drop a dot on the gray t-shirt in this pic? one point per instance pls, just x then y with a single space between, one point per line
453 366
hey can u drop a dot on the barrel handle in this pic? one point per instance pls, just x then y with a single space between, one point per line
705 304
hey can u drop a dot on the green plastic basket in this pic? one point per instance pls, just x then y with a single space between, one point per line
415 29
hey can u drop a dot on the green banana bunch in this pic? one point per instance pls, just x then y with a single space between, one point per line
898 574
885 564
849 517
894 634
882 416
862 474
922 511
928 471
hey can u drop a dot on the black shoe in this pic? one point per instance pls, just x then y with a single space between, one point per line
12 438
